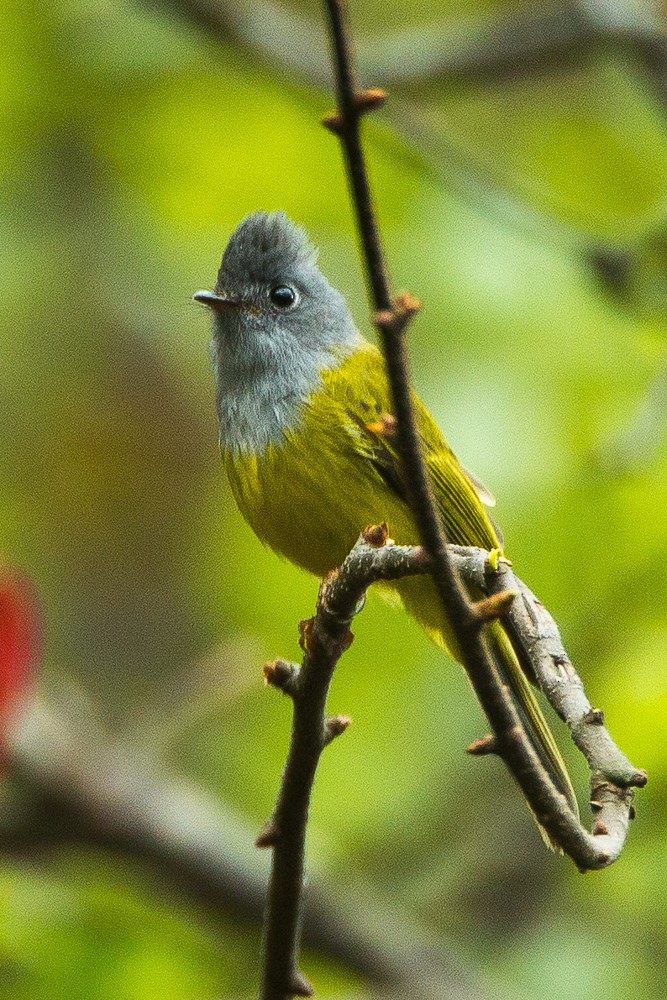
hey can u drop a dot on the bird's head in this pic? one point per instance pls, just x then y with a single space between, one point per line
270 293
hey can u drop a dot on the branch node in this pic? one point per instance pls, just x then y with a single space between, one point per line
299 986
483 746
363 101
268 836
334 123
282 675
335 726
494 606
406 305
369 100
395 319
595 717
376 535
385 426
639 779
306 640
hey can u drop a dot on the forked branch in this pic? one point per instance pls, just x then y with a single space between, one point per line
326 636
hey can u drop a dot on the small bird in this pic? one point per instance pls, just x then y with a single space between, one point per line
308 437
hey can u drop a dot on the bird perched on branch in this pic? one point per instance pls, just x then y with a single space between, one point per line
308 437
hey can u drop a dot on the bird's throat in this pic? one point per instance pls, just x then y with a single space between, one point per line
261 394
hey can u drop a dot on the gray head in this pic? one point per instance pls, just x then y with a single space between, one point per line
277 323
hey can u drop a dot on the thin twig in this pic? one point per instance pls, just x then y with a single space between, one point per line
324 639
392 317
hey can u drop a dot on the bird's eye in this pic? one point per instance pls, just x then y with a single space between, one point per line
283 296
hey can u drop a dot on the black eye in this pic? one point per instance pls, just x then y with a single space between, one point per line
283 296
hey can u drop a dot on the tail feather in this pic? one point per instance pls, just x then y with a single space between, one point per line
537 726
419 599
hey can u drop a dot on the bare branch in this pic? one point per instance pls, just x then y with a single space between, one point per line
392 317
326 637
76 785
613 776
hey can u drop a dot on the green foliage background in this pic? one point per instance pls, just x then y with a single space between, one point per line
130 146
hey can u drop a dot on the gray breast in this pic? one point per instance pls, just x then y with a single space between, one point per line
260 396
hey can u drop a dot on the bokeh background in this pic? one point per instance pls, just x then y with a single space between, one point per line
520 172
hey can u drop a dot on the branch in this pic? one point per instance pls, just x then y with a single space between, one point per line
324 639
465 619
326 636
392 318
460 49
70 782
613 777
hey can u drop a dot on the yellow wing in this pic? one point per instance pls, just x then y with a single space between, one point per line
365 394
466 523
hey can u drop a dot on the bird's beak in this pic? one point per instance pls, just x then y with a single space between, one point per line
218 302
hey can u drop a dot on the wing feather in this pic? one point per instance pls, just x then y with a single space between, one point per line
460 495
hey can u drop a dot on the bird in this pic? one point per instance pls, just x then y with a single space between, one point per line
308 438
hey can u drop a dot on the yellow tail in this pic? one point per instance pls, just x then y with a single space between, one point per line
420 600
536 724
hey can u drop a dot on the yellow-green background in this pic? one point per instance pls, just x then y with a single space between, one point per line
130 145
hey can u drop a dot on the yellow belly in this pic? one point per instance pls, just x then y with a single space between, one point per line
310 504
